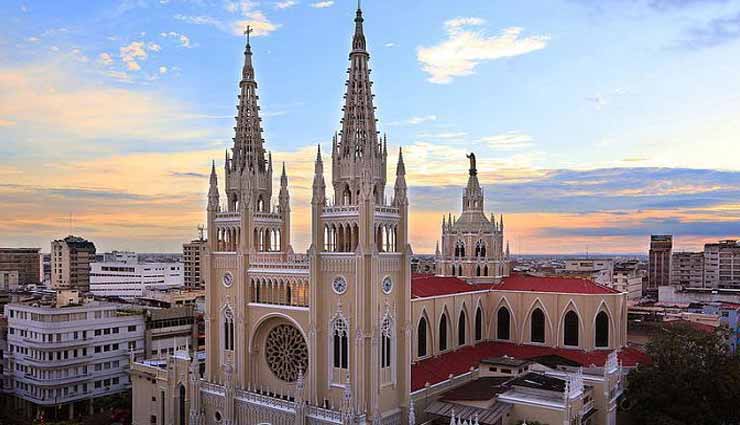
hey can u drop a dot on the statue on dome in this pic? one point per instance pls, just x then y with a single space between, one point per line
473 170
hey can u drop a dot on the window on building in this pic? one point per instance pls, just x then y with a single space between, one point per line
421 338
602 330
570 329
537 326
228 329
386 330
340 338
503 324
478 324
462 326
132 328
443 324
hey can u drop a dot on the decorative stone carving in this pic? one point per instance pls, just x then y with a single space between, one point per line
286 352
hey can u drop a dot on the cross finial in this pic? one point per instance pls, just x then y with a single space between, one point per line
247 32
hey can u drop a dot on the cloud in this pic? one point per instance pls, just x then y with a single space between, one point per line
189 174
135 52
413 120
445 135
322 4
162 69
508 141
105 59
714 33
70 109
466 47
33 39
260 23
182 38
285 4
390 44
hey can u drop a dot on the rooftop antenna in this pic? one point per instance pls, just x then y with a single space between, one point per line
200 231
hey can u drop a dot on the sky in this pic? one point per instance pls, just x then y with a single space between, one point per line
595 124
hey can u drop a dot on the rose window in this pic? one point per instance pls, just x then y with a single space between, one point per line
286 352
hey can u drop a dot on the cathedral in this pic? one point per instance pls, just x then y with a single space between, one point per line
345 334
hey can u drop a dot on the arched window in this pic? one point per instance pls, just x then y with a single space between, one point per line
459 249
454 270
602 330
478 324
480 249
537 326
421 338
340 335
485 270
228 329
461 327
570 329
443 333
477 270
386 330
181 409
503 324
260 204
346 196
288 294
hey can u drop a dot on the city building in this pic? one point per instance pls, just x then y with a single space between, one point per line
169 328
8 280
344 334
659 262
687 269
130 280
600 270
126 257
192 254
722 264
473 245
628 278
70 263
24 261
62 355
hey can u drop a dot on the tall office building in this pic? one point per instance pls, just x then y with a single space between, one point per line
192 254
722 264
25 261
687 269
659 262
70 263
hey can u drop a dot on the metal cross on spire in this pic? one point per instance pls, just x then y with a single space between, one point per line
247 32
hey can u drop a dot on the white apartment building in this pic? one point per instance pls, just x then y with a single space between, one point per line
60 358
722 264
627 278
601 270
129 281
128 257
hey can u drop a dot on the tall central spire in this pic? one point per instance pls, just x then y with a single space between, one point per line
248 143
359 134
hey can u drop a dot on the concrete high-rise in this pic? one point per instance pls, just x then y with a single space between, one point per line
659 262
70 263
192 255
722 264
687 269
25 261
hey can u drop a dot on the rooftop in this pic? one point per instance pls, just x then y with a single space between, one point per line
540 382
425 285
437 369
478 390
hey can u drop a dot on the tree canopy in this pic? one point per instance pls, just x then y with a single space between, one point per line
692 379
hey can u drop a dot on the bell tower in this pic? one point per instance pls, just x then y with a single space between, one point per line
360 265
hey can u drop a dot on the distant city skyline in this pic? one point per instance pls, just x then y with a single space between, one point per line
110 115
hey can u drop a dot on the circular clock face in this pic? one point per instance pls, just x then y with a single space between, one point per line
228 279
387 285
339 285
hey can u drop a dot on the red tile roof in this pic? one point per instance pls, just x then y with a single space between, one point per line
426 285
437 369
568 285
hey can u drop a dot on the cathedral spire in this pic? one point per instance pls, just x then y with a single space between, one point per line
213 197
358 41
400 196
248 144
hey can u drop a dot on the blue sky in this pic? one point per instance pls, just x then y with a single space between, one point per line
595 123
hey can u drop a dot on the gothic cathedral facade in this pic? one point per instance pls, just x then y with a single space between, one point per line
332 324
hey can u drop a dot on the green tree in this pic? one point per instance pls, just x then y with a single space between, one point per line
692 379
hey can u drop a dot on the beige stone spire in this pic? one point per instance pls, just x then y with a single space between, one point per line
359 153
248 151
